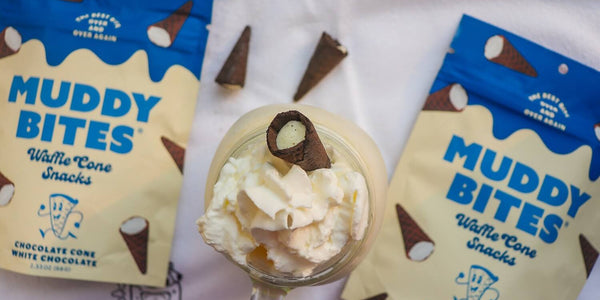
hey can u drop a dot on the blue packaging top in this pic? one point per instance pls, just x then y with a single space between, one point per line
114 30
526 86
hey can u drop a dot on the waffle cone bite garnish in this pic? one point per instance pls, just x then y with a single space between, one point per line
164 32
590 254
10 41
177 152
292 137
328 54
233 72
453 97
7 190
417 244
135 233
499 50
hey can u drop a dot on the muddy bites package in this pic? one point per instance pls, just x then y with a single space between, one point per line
96 105
496 193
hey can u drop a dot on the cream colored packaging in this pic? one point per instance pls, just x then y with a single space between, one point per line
96 104
495 196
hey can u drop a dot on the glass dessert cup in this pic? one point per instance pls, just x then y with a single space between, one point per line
352 144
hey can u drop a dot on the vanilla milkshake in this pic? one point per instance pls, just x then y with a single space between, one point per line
281 211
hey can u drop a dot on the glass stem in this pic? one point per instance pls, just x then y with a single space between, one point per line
262 291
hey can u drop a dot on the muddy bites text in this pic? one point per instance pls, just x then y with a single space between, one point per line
541 191
79 97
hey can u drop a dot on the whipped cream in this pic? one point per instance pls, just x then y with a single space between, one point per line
301 219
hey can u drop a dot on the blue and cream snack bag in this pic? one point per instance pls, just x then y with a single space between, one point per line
96 105
496 193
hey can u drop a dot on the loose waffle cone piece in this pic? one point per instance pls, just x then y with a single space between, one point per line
233 72
328 54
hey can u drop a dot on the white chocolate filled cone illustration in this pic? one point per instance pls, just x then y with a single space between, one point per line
7 190
164 32
499 50
177 152
417 244
10 41
453 97
135 233
597 131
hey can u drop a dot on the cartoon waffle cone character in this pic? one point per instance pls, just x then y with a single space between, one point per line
479 284
453 97
499 50
164 32
590 254
135 233
64 220
417 244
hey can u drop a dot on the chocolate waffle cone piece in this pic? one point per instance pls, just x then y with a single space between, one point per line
7 190
164 32
10 41
590 254
328 54
306 151
177 152
499 50
453 97
233 72
135 233
382 296
417 244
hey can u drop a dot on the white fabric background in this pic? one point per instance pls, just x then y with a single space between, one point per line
395 49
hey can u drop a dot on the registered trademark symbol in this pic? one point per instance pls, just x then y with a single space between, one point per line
140 130
567 224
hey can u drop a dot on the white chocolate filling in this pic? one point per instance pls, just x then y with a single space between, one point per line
421 250
6 193
134 225
458 96
159 36
493 47
290 135
12 38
